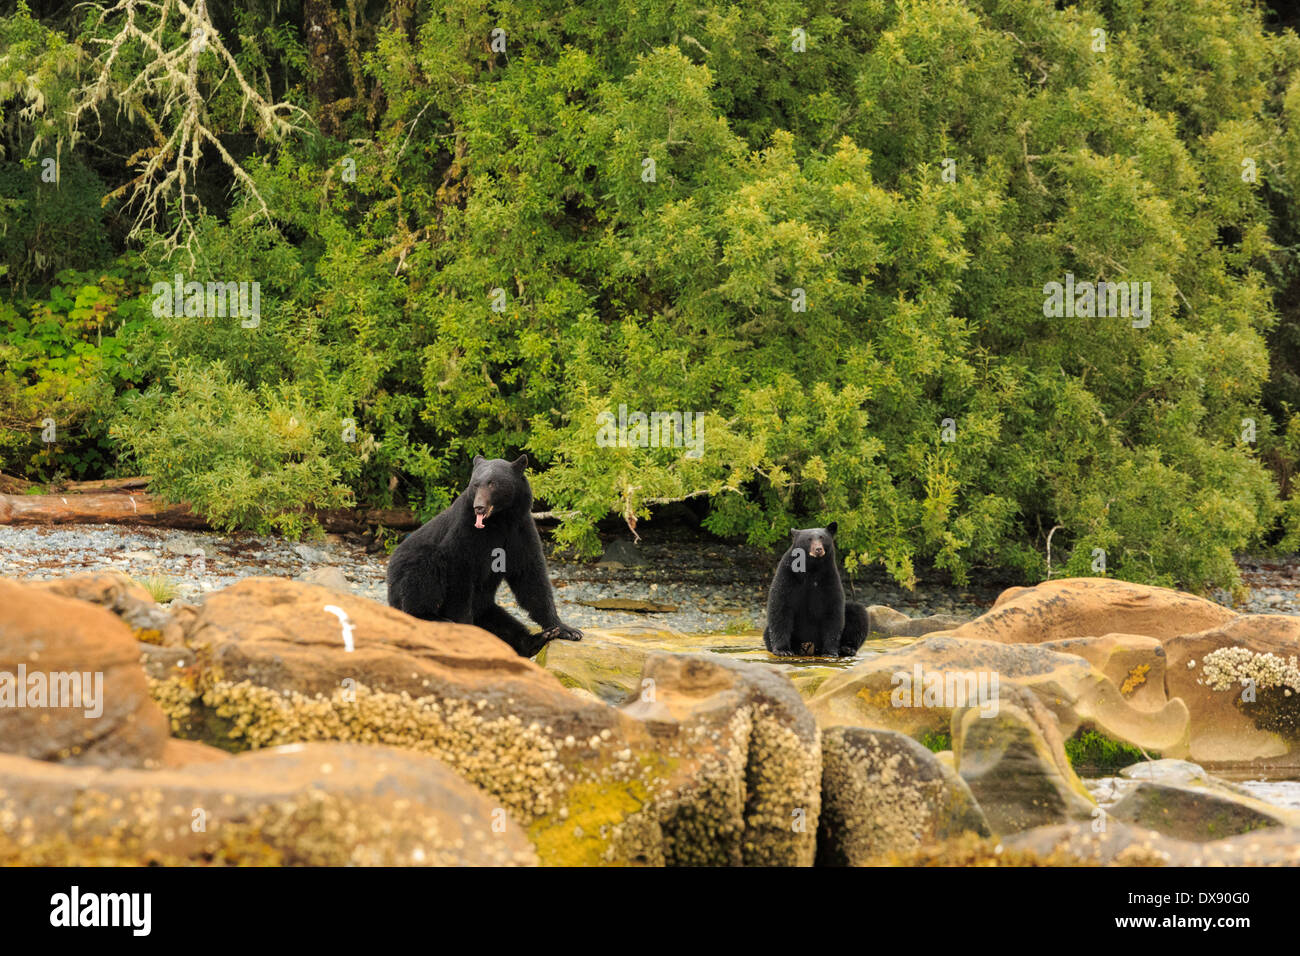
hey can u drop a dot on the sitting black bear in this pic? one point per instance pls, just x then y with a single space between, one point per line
450 568
806 610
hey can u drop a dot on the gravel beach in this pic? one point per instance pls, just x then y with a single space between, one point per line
690 583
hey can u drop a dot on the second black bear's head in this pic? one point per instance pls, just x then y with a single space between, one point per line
815 544
498 485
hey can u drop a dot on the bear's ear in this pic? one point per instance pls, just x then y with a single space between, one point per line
520 463
833 527
793 532
478 460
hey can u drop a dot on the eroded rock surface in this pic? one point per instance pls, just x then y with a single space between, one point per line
915 689
1015 765
1089 607
1242 685
882 792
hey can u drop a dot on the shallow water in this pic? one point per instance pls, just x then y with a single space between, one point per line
744 645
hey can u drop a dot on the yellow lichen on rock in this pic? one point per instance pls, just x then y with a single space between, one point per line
1136 678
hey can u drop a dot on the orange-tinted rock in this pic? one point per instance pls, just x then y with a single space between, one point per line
87 660
710 767
1134 663
1232 722
1091 607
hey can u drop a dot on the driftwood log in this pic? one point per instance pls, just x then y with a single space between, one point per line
124 501
141 508
19 486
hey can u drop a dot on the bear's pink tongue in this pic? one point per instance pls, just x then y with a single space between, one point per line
478 521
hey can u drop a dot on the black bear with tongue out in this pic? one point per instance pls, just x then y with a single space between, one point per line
806 611
450 569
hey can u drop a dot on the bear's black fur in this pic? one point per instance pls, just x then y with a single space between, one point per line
449 569
806 611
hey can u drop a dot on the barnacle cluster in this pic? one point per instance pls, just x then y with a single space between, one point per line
1235 666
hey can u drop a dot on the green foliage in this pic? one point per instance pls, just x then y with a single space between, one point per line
1093 753
161 587
936 741
469 255
62 359
241 457
1088 751
50 226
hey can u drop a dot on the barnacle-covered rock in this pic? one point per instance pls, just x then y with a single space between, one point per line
882 793
324 804
1241 682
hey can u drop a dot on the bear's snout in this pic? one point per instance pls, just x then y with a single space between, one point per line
816 549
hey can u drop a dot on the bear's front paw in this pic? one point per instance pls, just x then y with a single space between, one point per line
562 632
782 652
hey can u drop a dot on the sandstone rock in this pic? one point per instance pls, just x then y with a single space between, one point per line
882 792
1133 662
710 766
183 753
1112 843
318 804
915 689
886 621
746 784
1015 766
1173 772
1206 670
1199 809
883 617
1088 607
116 592
331 578
607 662
1100 843
271 666
78 649
605 667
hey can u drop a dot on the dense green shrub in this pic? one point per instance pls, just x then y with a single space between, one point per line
467 254
243 458
62 360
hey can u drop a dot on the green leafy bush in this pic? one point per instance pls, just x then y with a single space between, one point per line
482 253
62 360
242 457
